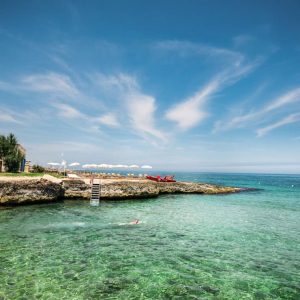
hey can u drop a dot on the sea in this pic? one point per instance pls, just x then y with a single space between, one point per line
238 246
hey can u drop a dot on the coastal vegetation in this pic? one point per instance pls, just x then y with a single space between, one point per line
10 152
37 169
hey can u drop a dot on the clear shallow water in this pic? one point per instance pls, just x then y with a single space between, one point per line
240 246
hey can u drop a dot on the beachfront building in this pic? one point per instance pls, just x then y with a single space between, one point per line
23 163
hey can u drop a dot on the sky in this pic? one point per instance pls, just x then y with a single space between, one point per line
210 86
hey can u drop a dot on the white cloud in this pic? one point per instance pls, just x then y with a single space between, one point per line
116 84
87 122
5 117
50 82
23 117
141 109
68 111
191 111
185 48
292 118
139 106
109 119
288 98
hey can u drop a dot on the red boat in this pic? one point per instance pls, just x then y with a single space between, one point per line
154 178
160 179
168 178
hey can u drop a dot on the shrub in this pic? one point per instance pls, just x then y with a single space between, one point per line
37 169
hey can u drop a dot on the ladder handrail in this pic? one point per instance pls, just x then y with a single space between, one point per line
95 191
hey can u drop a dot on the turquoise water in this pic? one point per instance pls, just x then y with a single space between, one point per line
240 246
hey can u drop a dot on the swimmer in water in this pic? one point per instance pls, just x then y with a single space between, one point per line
136 221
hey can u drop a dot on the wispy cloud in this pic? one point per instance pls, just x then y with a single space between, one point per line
25 117
191 111
109 119
84 121
287 98
234 66
52 83
6 117
242 40
186 48
69 112
141 109
292 118
139 106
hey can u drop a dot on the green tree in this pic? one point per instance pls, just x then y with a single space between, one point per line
37 169
10 152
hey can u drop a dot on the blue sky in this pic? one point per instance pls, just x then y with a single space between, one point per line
180 85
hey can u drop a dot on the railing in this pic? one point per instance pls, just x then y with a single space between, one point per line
95 192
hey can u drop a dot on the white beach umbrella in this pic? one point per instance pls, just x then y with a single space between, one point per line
119 166
103 166
74 164
53 164
123 166
146 167
89 166
134 166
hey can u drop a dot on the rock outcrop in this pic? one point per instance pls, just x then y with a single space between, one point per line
42 190
142 189
29 191
74 189
194 188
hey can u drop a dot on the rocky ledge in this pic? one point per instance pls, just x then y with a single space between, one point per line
42 190
141 189
29 191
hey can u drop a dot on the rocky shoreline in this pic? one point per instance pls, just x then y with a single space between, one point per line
15 192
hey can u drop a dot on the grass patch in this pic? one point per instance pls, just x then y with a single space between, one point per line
22 174
57 175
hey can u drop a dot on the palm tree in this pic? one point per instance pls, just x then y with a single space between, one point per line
10 152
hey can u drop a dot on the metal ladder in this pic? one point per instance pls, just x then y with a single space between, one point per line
95 192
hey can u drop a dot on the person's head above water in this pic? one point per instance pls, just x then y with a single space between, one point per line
135 221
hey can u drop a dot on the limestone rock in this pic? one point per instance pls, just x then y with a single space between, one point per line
194 188
141 189
41 190
76 189
125 190
28 191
